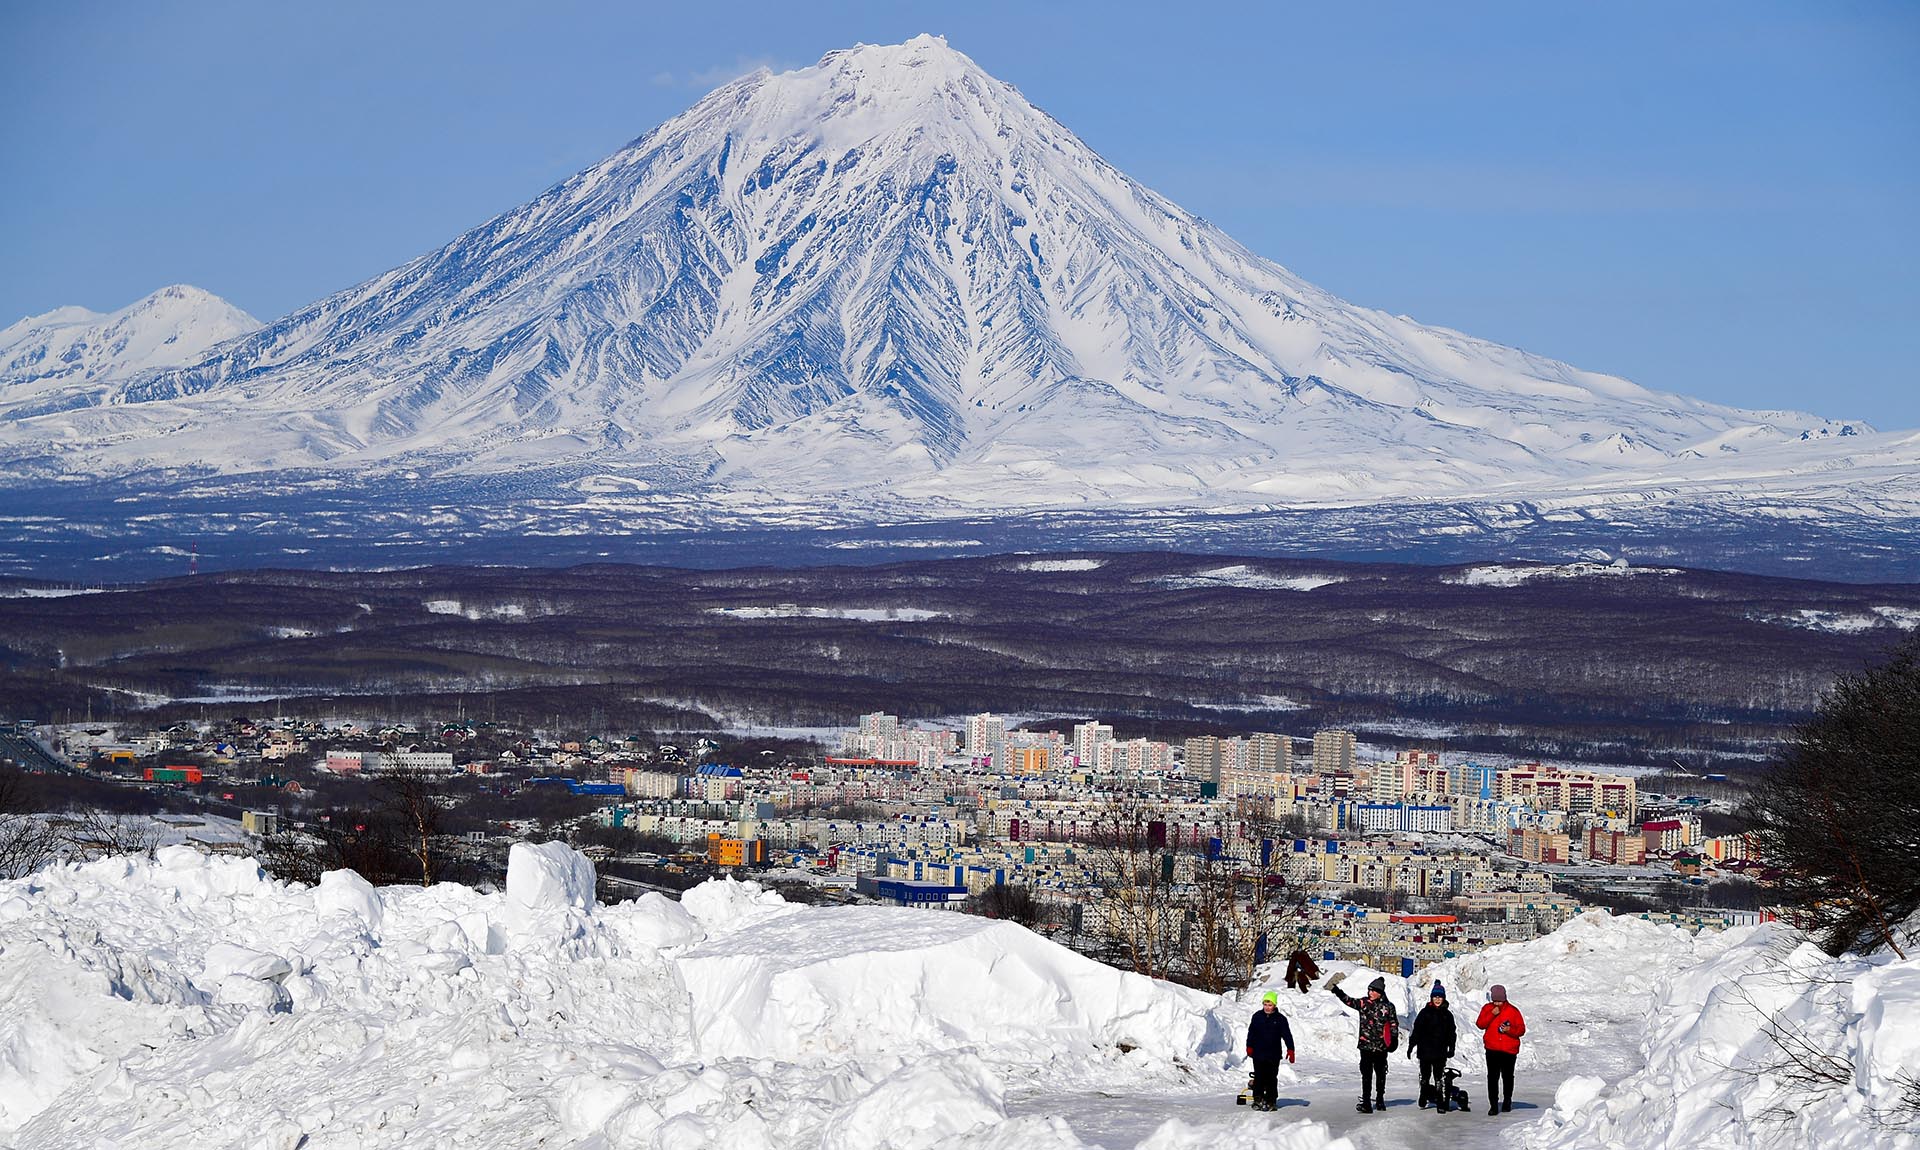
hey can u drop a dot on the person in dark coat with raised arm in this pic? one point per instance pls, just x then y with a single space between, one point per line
1269 1038
1432 1039
1379 1033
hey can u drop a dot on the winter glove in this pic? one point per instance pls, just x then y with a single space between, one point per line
1289 1056
1249 1052
1505 1028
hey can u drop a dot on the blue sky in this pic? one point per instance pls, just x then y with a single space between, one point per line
1721 199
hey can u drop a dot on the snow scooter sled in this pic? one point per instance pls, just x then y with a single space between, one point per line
1246 1098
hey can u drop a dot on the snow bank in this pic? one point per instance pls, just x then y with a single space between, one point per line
863 981
192 1001
1714 1073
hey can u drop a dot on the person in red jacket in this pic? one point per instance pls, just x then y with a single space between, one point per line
1504 1026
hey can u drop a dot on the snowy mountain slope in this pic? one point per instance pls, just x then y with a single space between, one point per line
80 352
889 277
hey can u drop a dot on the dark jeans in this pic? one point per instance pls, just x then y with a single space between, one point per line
1266 1079
1499 1077
1430 1080
1373 1074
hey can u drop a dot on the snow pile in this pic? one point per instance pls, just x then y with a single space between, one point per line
1060 565
192 1001
189 1000
1768 1043
866 981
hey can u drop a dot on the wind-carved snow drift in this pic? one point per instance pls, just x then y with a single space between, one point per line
889 276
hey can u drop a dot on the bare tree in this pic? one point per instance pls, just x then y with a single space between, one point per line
26 841
1013 903
412 800
1133 871
95 833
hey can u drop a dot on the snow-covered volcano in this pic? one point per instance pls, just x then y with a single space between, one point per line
889 276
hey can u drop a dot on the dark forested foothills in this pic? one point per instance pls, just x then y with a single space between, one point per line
1630 663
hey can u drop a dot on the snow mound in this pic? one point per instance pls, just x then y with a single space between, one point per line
1060 565
187 1000
1731 1039
865 981
549 876
192 1001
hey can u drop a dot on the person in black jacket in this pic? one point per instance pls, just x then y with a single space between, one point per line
1268 1038
1301 969
1433 1038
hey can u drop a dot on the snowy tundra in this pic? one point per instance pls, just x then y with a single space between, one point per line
190 1001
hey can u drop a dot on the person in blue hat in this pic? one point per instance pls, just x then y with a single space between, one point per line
1269 1038
1433 1038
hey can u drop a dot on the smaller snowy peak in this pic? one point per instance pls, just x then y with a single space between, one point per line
69 346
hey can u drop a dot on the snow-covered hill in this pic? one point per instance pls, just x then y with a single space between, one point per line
76 352
189 1001
888 279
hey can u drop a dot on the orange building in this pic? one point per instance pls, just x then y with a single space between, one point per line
736 852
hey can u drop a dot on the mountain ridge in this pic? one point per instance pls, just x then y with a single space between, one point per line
173 326
889 278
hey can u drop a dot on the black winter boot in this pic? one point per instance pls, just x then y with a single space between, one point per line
1426 1095
1380 1105
1365 1107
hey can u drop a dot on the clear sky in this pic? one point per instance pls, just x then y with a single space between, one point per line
1721 199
